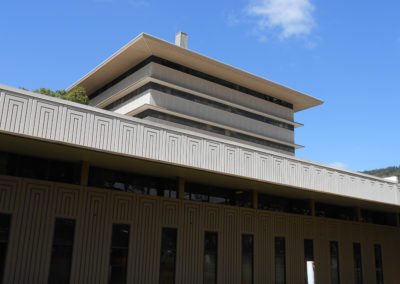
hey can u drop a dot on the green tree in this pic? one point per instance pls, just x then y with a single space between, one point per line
77 94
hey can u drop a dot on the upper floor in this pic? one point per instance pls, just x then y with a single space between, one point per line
158 81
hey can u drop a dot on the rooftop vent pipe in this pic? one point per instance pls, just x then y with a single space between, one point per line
181 39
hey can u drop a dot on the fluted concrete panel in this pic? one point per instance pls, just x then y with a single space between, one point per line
51 119
37 204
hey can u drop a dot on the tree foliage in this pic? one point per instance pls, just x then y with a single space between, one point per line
385 172
77 94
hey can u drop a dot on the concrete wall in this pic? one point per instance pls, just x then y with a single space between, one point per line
190 82
218 91
53 120
208 113
34 205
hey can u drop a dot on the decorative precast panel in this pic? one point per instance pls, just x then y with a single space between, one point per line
33 235
8 194
151 142
67 200
38 204
46 120
127 138
74 127
40 117
14 112
122 207
173 146
231 157
193 151
211 154
170 213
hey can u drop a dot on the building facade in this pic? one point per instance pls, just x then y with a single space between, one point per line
181 170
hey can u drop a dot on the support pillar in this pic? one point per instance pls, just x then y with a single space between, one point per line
181 188
84 173
359 216
254 196
312 207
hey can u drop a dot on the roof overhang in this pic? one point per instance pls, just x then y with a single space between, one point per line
144 46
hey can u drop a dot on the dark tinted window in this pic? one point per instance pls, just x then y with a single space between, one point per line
309 259
217 195
336 212
380 218
5 225
378 264
200 100
282 204
39 168
168 256
195 73
214 129
131 182
335 270
210 258
247 259
61 257
358 273
280 261
119 254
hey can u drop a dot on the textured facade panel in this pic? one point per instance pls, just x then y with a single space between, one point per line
40 117
67 200
8 194
38 204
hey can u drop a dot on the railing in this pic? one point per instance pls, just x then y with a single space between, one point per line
43 117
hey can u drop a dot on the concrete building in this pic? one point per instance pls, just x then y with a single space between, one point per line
181 170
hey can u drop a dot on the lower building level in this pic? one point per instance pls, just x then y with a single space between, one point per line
63 233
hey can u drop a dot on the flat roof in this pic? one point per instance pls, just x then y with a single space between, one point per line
144 46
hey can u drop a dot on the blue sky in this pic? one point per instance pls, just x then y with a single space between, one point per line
346 53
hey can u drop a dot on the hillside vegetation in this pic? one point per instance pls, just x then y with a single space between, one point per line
385 172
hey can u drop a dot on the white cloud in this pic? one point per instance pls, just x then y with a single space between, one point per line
339 165
292 18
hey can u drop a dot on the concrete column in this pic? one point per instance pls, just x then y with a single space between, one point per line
181 188
312 207
84 173
359 216
254 196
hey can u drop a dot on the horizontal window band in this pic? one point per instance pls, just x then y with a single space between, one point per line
195 73
197 99
214 129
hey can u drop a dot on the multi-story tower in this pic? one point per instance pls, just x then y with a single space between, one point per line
181 170
161 82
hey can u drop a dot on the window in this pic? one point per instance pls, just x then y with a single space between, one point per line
247 259
335 274
200 100
168 256
5 225
119 254
131 182
61 257
380 218
378 264
358 273
213 129
196 73
309 261
39 168
280 261
282 204
335 212
210 258
217 195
